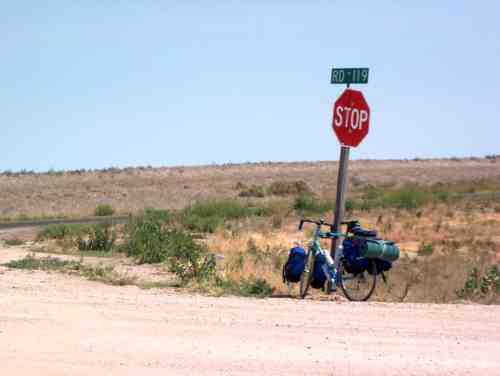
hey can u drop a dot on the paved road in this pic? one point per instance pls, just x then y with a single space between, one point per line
53 324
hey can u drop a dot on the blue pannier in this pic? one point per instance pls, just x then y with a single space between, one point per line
319 272
354 263
295 265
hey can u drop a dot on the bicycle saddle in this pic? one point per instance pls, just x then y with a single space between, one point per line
360 231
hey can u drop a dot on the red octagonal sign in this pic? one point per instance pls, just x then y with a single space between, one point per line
351 117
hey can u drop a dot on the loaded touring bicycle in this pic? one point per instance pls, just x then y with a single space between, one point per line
362 257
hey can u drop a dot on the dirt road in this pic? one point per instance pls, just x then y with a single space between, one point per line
54 324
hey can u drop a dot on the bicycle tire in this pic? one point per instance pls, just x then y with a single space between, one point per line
368 278
306 276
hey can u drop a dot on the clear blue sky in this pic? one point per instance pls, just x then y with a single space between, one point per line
91 84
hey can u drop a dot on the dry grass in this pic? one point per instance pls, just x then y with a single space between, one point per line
465 240
77 193
457 234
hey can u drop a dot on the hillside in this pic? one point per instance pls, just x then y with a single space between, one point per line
131 189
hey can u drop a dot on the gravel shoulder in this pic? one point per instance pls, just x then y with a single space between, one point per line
55 324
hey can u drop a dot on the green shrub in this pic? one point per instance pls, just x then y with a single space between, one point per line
206 216
161 215
226 209
100 273
145 239
187 259
284 188
253 191
478 286
405 198
104 210
350 205
258 287
14 242
151 238
425 250
441 196
46 263
100 237
202 224
62 231
309 204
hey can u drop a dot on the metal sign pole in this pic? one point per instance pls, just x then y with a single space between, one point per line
340 200
338 213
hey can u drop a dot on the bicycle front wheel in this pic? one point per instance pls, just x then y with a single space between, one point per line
306 276
358 287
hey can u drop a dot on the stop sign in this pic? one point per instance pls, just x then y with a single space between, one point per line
351 117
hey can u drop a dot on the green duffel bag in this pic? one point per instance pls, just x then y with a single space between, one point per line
381 249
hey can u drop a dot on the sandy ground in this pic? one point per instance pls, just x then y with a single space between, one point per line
54 324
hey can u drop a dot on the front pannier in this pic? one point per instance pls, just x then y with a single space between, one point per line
295 265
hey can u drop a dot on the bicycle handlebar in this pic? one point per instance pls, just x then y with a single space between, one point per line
321 222
326 235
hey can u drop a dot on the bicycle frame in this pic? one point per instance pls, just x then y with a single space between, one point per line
315 245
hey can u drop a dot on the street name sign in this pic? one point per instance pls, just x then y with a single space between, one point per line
349 76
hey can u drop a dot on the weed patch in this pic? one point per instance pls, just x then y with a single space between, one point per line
310 205
14 242
257 287
285 188
479 286
207 216
425 250
154 239
258 191
46 263
62 231
99 237
101 273
104 210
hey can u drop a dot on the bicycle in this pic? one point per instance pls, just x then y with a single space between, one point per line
358 286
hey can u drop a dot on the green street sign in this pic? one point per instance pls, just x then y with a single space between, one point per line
349 76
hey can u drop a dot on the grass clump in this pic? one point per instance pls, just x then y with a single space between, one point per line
61 232
310 205
146 239
100 237
405 198
276 188
207 216
285 188
257 287
479 286
101 273
425 250
408 197
253 191
14 242
104 210
189 260
46 263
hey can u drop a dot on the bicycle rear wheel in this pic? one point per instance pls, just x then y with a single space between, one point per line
358 286
306 276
